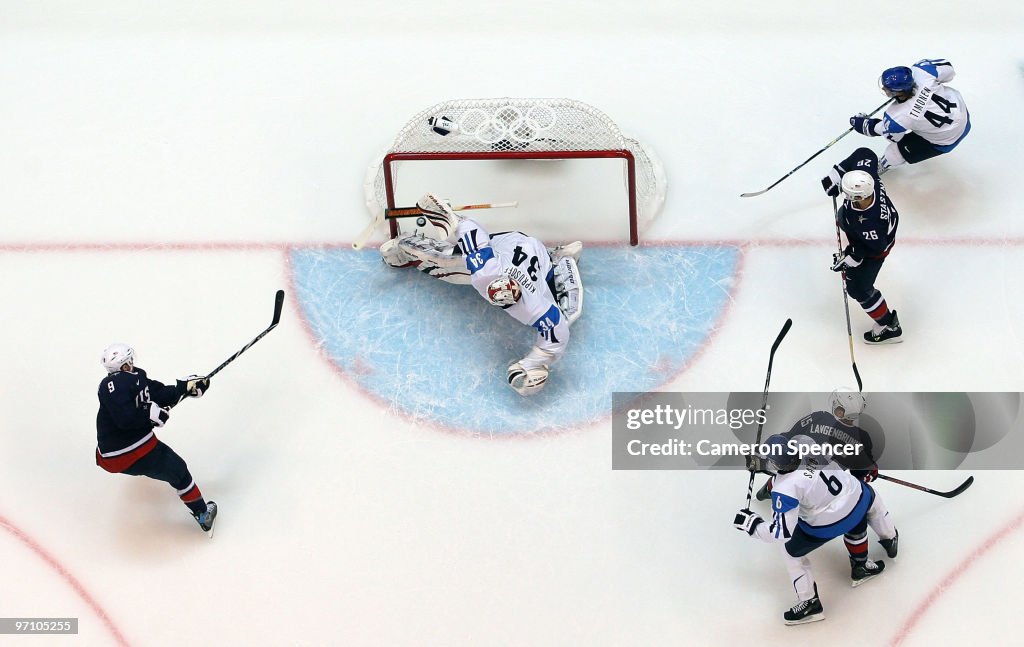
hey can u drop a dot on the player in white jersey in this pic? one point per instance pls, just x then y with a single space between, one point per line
813 501
927 119
538 287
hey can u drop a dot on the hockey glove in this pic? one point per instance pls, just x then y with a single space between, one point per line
757 464
866 475
158 415
865 125
747 521
194 385
831 182
845 261
441 125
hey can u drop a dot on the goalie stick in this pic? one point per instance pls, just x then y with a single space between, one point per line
410 212
948 495
827 146
278 305
764 402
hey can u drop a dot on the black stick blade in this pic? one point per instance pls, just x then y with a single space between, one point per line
278 305
782 334
963 486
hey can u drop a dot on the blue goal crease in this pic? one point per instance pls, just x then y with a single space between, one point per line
438 352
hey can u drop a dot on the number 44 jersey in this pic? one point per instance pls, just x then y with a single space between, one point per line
936 112
526 261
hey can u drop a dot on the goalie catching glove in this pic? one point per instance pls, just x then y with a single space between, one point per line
194 386
440 214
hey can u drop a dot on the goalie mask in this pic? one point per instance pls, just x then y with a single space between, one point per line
504 292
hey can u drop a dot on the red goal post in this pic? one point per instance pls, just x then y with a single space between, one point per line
525 129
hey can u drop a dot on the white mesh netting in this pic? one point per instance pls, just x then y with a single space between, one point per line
520 128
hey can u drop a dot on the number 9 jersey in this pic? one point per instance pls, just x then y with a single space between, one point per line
526 261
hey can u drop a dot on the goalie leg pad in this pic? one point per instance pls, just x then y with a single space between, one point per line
569 288
394 255
432 257
527 381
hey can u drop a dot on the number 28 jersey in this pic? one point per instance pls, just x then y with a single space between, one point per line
526 261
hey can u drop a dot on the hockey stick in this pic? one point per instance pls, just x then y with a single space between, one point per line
365 234
846 298
764 402
409 212
949 495
278 304
827 146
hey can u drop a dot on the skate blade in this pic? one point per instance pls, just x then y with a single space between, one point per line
855 583
815 618
893 340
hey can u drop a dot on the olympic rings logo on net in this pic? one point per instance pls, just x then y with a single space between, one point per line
508 122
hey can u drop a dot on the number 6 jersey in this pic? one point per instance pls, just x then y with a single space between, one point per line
526 261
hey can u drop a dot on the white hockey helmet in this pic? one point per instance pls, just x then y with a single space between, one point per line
504 292
846 405
857 185
117 355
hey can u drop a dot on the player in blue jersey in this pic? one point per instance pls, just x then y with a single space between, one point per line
927 119
814 501
869 220
131 406
837 427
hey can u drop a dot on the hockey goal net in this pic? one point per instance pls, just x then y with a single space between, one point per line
520 129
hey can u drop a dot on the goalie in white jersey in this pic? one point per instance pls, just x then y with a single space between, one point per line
538 287
813 501
927 119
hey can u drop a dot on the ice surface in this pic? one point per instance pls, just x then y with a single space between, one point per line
165 170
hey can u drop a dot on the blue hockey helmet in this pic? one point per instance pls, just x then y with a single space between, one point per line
896 80
780 454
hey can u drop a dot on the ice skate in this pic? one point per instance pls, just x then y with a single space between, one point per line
861 572
804 612
206 519
891 546
890 334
